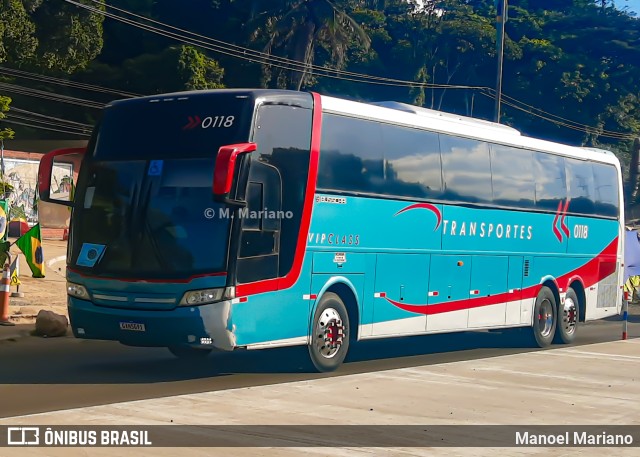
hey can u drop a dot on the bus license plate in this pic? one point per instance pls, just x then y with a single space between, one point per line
132 326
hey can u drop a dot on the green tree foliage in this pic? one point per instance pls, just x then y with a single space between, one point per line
301 30
68 37
17 32
138 61
197 71
5 133
175 68
49 37
49 34
573 62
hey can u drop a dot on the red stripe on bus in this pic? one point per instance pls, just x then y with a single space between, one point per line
291 278
595 270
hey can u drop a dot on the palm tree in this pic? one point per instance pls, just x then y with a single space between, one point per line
300 28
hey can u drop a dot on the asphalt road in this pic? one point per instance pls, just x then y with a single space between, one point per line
41 375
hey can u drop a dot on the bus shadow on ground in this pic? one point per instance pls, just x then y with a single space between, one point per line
632 318
70 361
97 362
375 355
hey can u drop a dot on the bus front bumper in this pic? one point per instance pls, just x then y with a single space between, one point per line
206 326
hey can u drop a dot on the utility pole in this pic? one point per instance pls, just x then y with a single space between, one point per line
501 19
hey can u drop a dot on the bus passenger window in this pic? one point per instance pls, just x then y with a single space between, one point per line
606 190
551 186
580 186
348 161
412 165
467 170
512 176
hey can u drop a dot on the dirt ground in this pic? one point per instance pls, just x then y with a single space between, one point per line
41 293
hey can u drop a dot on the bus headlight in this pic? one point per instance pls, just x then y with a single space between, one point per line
78 291
201 297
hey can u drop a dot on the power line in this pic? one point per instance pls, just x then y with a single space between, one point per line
578 127
63 82
23 111
288 64
49 122
21 90
266 59
564 120
26 124
38 122
256 56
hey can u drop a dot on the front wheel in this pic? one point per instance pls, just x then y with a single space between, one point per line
544 317
329 341
568 317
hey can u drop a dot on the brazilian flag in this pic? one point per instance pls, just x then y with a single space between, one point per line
4 249
31 245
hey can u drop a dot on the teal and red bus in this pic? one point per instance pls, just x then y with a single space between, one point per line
226 219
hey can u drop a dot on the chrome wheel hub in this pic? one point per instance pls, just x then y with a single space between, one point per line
545 318
569 316
329 333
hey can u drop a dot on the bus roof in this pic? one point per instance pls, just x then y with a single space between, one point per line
401 114
434 114
422 118
286 97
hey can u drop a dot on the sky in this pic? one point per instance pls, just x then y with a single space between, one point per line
634 5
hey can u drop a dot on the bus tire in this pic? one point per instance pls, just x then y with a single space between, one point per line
544 318
188 352
568 318
329 340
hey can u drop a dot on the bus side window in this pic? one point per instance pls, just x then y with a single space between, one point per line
512 178
580 186
606 191
551 181
283 136
466 168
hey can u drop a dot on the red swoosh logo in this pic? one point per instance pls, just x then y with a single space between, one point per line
427 206
590 273
555 223
564 227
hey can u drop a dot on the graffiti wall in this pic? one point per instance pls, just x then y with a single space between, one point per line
23 176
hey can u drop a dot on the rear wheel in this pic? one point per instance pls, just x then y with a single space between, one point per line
329 333
568 317
544 318
188 352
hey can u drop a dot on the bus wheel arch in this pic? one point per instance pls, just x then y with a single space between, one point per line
348 297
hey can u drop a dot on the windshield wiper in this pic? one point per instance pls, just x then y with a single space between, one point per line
144 213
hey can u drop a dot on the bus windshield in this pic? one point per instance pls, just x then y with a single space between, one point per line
144 195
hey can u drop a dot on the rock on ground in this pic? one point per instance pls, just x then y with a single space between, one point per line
49 323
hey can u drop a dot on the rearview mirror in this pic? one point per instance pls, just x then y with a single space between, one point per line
226 172
57 175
